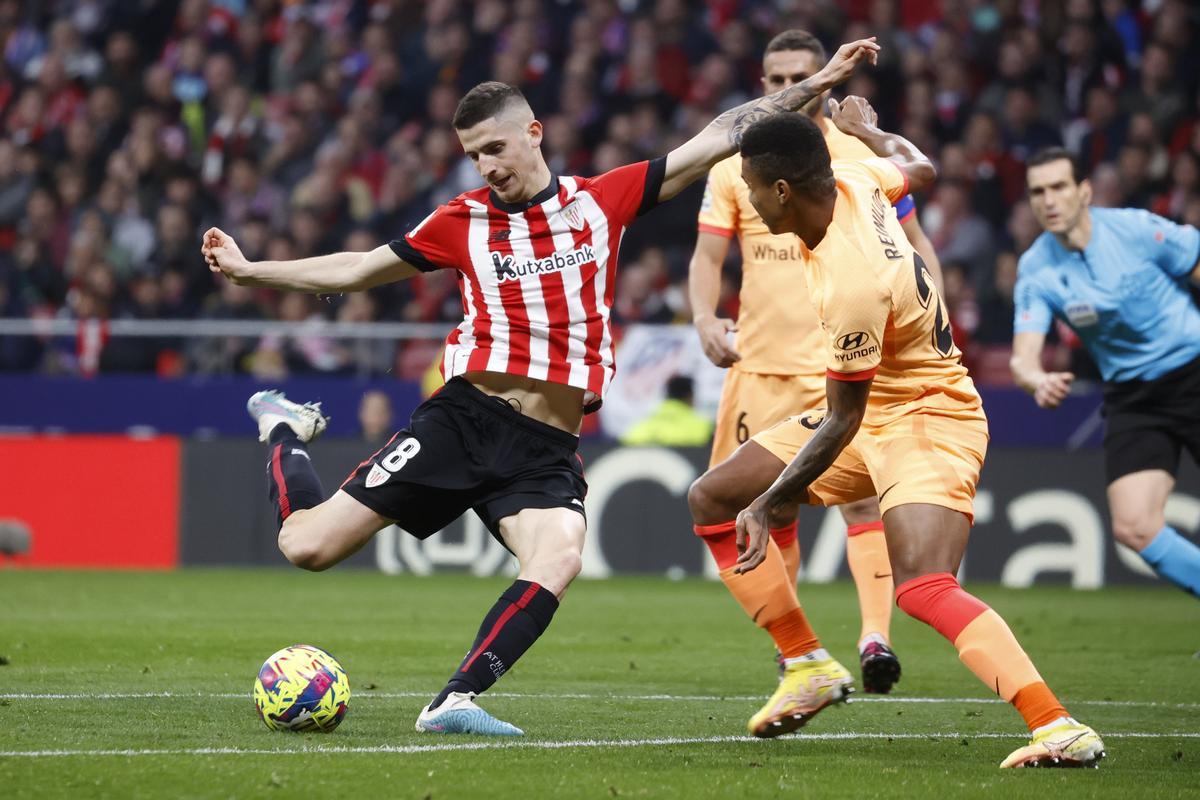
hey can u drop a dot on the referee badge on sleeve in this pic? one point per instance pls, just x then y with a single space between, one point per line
1081 314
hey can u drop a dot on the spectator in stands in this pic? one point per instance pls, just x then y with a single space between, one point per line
957 232
123 133
674 422
375 419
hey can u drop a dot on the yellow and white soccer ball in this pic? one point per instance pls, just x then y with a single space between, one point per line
302 688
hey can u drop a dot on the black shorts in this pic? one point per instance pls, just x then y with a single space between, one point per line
1148 423
466 449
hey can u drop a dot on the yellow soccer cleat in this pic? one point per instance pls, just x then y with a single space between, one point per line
806 688
1063 743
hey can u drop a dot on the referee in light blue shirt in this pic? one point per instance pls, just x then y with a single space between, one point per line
1120 279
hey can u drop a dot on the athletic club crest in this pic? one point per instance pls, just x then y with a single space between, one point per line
573 216
376 476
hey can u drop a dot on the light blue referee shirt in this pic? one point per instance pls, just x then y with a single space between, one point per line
1125 295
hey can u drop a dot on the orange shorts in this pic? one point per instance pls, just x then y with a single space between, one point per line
752 402
918 458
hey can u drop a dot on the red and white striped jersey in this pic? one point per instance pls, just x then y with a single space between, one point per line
536 277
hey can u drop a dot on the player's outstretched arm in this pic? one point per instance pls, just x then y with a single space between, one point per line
847 402
854 116
336 272
1049 389
721 137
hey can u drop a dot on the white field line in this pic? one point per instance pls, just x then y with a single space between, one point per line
703 698
543 745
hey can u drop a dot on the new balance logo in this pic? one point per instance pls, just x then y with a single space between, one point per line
500 235
509 269
296 451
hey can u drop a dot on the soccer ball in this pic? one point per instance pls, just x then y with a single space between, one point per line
302 688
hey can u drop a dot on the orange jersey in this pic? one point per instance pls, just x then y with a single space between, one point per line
881 315
778 332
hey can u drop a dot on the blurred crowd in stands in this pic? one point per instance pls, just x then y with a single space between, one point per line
130 126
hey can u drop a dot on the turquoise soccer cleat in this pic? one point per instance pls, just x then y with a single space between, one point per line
459 714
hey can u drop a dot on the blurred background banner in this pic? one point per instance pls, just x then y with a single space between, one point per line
93 501
202 406
208 405
647 357
90 501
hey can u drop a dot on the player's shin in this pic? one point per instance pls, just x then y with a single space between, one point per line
513 624
984 643
867 555
789 547
767 594
1175 559
291 480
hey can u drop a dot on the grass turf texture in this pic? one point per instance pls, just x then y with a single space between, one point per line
1120 658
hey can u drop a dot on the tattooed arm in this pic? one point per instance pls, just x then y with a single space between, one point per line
721 138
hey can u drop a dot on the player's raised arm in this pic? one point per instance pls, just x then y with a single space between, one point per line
855 117
721 137
847 402
336 272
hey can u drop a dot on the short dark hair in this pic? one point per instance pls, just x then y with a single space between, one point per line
1049 154
796 39
485 101
789 146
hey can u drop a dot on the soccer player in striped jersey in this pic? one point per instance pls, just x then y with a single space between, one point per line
777 368
903 421
536 260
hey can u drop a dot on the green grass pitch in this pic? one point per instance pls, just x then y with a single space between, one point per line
138 685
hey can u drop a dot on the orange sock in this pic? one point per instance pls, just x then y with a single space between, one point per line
1038 705
766 594
984 643
792 634
866 552
789 546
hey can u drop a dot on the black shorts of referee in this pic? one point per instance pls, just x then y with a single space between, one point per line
1148 423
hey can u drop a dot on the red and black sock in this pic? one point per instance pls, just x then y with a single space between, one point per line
291 480
514 623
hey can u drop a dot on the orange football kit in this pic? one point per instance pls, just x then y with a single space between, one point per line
782 373
924 434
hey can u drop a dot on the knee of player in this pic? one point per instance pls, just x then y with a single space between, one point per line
905 568
567 565
704 501
302 551
1136 532
554 571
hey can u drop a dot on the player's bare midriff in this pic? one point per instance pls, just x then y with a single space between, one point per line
552 403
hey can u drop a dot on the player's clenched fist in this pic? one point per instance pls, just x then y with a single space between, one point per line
852 113
713 338
222 254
